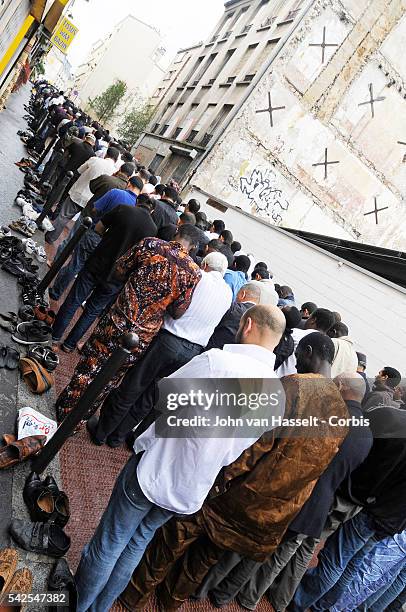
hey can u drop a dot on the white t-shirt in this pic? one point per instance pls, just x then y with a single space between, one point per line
177 473
210 301
93 168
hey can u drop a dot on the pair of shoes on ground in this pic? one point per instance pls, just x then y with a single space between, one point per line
32 332
36 250
21 267
30 296
49 510
29 313
24 226
10 246
44 356
15 451
45 501
37 378
13 581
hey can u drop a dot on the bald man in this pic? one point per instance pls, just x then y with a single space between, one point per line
252 293
170 473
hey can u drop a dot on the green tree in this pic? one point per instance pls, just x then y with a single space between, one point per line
106 105
135 122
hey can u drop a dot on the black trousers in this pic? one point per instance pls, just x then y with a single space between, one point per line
127 405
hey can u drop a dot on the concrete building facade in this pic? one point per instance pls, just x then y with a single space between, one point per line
214 79
58 69
132 52
318 141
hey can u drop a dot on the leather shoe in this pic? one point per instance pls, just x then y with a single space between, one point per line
61 580
8 565
42 538
38 498
92 426
20 450
61 501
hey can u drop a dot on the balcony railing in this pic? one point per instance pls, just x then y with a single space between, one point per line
246 28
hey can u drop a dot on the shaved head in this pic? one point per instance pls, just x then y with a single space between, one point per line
261 325
351 386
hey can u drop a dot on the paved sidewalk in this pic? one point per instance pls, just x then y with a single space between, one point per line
13 392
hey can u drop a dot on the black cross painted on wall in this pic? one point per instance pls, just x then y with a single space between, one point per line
323 45
270 108
372 100
326 163
376 210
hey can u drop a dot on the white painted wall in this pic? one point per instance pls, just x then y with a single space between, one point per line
373 309
269 170
128 55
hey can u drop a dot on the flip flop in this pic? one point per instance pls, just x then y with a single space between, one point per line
12 358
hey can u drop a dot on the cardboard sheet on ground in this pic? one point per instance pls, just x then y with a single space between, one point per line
33 423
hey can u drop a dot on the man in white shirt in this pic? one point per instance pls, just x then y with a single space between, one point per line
345 355
170 475
321 320
177 343
80 193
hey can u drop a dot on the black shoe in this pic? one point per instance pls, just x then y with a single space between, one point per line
32 332
39 499
92 426
61 581
62 512
26 313
44 539
17 268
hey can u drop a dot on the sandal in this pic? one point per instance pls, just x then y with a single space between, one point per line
36 377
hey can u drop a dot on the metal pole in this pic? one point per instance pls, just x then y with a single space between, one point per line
47 150
51 165
53 197
60 260
128 343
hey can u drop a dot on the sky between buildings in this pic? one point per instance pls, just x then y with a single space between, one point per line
181 22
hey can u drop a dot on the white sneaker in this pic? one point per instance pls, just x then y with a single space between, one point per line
30 245
40 254
20 201
47 225
30 212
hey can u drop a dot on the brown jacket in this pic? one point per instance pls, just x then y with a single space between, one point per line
270 482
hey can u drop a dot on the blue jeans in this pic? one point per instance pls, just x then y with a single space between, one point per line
102 297
87 245
80 291
379 568
338 564
118 544
390 597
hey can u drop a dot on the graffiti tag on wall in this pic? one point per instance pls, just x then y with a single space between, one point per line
265 197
